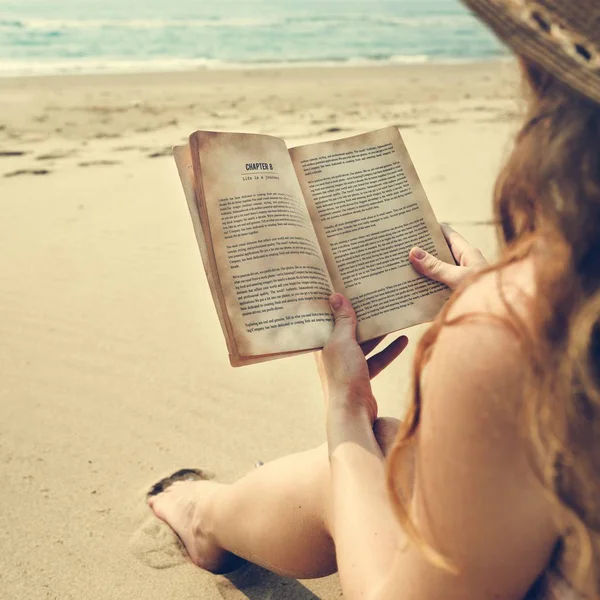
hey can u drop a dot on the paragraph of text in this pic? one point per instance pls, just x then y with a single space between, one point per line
379 252
288 321
249 214
393 297
360 191
263 292
274 247
361 224
314 166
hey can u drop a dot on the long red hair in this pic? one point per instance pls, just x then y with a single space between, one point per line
548 191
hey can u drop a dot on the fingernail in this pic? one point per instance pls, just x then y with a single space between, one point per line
335 301
419 254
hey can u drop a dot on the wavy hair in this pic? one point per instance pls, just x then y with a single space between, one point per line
548 192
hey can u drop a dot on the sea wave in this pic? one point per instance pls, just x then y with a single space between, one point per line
112 37
233 23
66 24
116 66
17 68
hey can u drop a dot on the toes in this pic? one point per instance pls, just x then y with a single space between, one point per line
158 512
181 475
155 498
189 474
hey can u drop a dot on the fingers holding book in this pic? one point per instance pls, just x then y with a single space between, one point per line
468 258
345 371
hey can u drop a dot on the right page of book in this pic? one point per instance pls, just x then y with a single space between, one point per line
369 209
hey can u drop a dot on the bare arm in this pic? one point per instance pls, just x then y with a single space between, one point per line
476 499
363 525
357 463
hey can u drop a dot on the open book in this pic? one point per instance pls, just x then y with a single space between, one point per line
281 230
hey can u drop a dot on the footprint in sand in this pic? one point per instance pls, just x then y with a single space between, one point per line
107 136
56 155
99 163
28 172
131 148
442 121
155 545
9 153
164 152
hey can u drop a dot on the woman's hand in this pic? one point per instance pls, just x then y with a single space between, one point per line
360 516
344 370
469 259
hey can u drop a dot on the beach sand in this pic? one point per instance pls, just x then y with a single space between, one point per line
113 369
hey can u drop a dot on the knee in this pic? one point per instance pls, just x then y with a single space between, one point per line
386 430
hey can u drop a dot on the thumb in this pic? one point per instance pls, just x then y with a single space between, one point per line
345 318
435 269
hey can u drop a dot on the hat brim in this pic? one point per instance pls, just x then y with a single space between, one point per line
527 38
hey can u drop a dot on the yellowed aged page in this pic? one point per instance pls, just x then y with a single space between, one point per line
268 262
369 209
183 160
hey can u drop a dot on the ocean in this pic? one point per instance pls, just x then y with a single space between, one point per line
88 36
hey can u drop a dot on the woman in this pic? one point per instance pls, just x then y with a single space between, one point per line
492 486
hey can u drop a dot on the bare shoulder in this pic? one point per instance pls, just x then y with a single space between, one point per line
486 327
473 477
479 355
502 292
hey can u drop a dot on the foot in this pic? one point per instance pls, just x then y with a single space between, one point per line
184 506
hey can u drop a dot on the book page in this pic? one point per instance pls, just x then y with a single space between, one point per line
183 160
369 209
267 260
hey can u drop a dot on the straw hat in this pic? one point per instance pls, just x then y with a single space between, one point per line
563 36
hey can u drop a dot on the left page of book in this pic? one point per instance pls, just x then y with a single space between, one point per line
183 160
262 249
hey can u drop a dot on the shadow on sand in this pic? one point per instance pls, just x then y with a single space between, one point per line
253 583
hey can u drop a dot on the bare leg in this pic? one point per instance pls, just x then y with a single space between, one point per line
277 516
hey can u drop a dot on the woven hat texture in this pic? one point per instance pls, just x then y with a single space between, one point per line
563 36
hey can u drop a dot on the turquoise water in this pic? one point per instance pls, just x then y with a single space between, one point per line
50 36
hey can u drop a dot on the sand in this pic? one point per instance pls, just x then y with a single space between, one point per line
113 370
